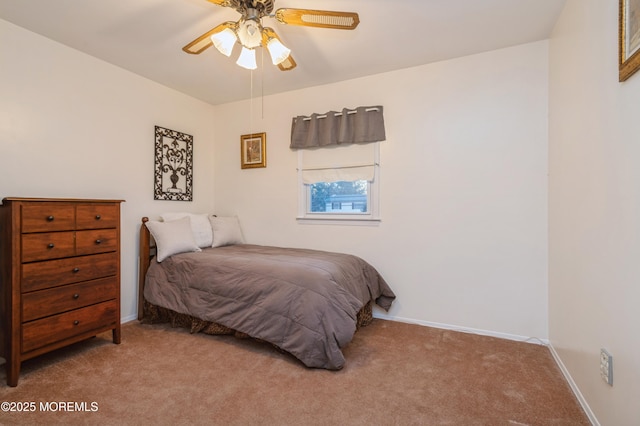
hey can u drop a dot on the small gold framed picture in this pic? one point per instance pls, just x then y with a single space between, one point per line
253 150
629 38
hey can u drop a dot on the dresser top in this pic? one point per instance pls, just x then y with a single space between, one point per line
67 200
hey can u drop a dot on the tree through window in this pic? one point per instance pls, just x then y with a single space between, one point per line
339 197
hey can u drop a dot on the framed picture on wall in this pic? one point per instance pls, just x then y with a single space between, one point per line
629 38
253 150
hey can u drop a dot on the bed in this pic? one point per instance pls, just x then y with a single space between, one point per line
308 303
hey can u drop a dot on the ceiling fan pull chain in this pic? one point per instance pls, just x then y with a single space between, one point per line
262 84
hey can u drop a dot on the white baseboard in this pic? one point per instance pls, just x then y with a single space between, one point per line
518 338
583 402
128 319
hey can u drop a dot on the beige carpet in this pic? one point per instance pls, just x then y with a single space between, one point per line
396 374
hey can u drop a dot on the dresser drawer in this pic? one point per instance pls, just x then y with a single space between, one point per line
43 217
96 241
43 303
42 332
53 273
48 245
95 216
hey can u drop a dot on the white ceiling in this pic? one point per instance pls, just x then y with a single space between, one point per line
147 36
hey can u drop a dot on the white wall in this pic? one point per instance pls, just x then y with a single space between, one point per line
594 209
75 126
463 238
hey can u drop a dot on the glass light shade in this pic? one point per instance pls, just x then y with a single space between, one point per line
250 33
278 51
224 41
247 59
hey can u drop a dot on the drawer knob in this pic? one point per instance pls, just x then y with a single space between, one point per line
51 245
98 241
76 270
98 217
76 322
50 218
75 296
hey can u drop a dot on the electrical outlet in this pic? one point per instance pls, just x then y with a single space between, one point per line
606 366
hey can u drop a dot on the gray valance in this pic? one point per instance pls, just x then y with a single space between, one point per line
360 125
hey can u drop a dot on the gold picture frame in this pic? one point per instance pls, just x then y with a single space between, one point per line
253 150
629 38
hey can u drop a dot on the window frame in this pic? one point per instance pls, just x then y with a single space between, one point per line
371 217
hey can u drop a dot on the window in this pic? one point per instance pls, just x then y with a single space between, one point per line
338 197
339 184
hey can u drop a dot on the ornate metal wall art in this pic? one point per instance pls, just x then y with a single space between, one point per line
173 178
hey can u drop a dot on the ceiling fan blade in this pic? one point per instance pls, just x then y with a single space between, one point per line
318 18
225 3
204 41
288 64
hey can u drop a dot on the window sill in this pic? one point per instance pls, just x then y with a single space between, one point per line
338 221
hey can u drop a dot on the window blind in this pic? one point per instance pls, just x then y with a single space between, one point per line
338 163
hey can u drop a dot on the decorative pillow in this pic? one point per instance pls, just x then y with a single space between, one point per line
226 231
172 237
200 226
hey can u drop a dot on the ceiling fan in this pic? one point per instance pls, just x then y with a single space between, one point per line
249 32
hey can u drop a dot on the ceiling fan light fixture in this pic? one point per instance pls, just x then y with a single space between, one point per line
224 41
278 51
247 59
250 33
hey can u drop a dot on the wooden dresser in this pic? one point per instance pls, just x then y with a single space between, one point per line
59 275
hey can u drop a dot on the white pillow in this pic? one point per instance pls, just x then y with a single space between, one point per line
226 231
172 237
200 226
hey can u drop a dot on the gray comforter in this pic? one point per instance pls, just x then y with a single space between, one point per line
303 301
